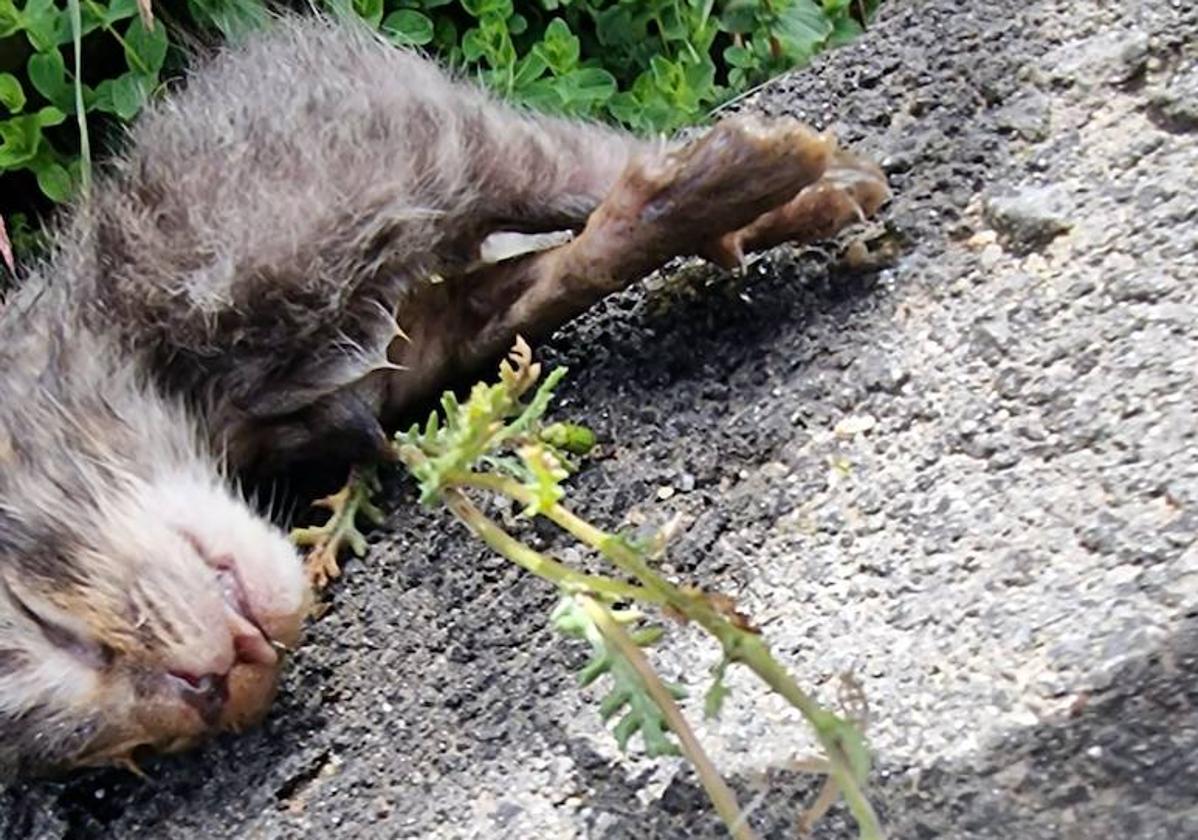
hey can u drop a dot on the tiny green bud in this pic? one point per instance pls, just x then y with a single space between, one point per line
569 437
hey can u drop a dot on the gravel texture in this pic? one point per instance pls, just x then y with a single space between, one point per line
969 478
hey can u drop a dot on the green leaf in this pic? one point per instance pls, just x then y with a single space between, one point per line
20 140
801 29
64 34
529 69
666 74
497 47
740 57
47 73
474 46
370 11
589 85
628 694
647 636
408 28
539 402
545 476
145 51
11 95
700 40
101 97
117 10
613 701
545 95
42 20
614 27
49 116
54 181
627 108
488 8
235 18
560 47
739 17
128 96
713 701
10 18
451 407
445 34
569 619
844 30
671 25
579 92
700 81
93 16
431 427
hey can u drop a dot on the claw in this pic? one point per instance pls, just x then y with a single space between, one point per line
843 196
726 252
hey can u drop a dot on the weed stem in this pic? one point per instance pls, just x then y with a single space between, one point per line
740 645
721 795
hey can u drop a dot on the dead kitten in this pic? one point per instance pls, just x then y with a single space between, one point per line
294 249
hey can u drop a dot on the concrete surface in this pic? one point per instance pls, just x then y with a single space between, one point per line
1005 559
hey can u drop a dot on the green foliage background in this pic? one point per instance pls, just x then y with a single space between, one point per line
651 65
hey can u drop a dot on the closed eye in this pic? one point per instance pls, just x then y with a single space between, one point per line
93 653
199 548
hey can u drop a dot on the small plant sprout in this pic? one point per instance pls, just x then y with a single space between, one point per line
495 442
326 542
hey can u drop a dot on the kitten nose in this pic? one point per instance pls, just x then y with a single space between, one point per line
207 694
254 648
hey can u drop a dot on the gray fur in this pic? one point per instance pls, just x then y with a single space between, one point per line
259 236
245 258
228 300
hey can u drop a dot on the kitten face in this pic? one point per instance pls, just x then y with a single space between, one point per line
168 624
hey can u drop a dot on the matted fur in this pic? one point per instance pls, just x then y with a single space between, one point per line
259 235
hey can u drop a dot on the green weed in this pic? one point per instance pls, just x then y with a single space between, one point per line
495 443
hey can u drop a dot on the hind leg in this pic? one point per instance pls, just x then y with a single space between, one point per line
851 190
539 174
746 185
